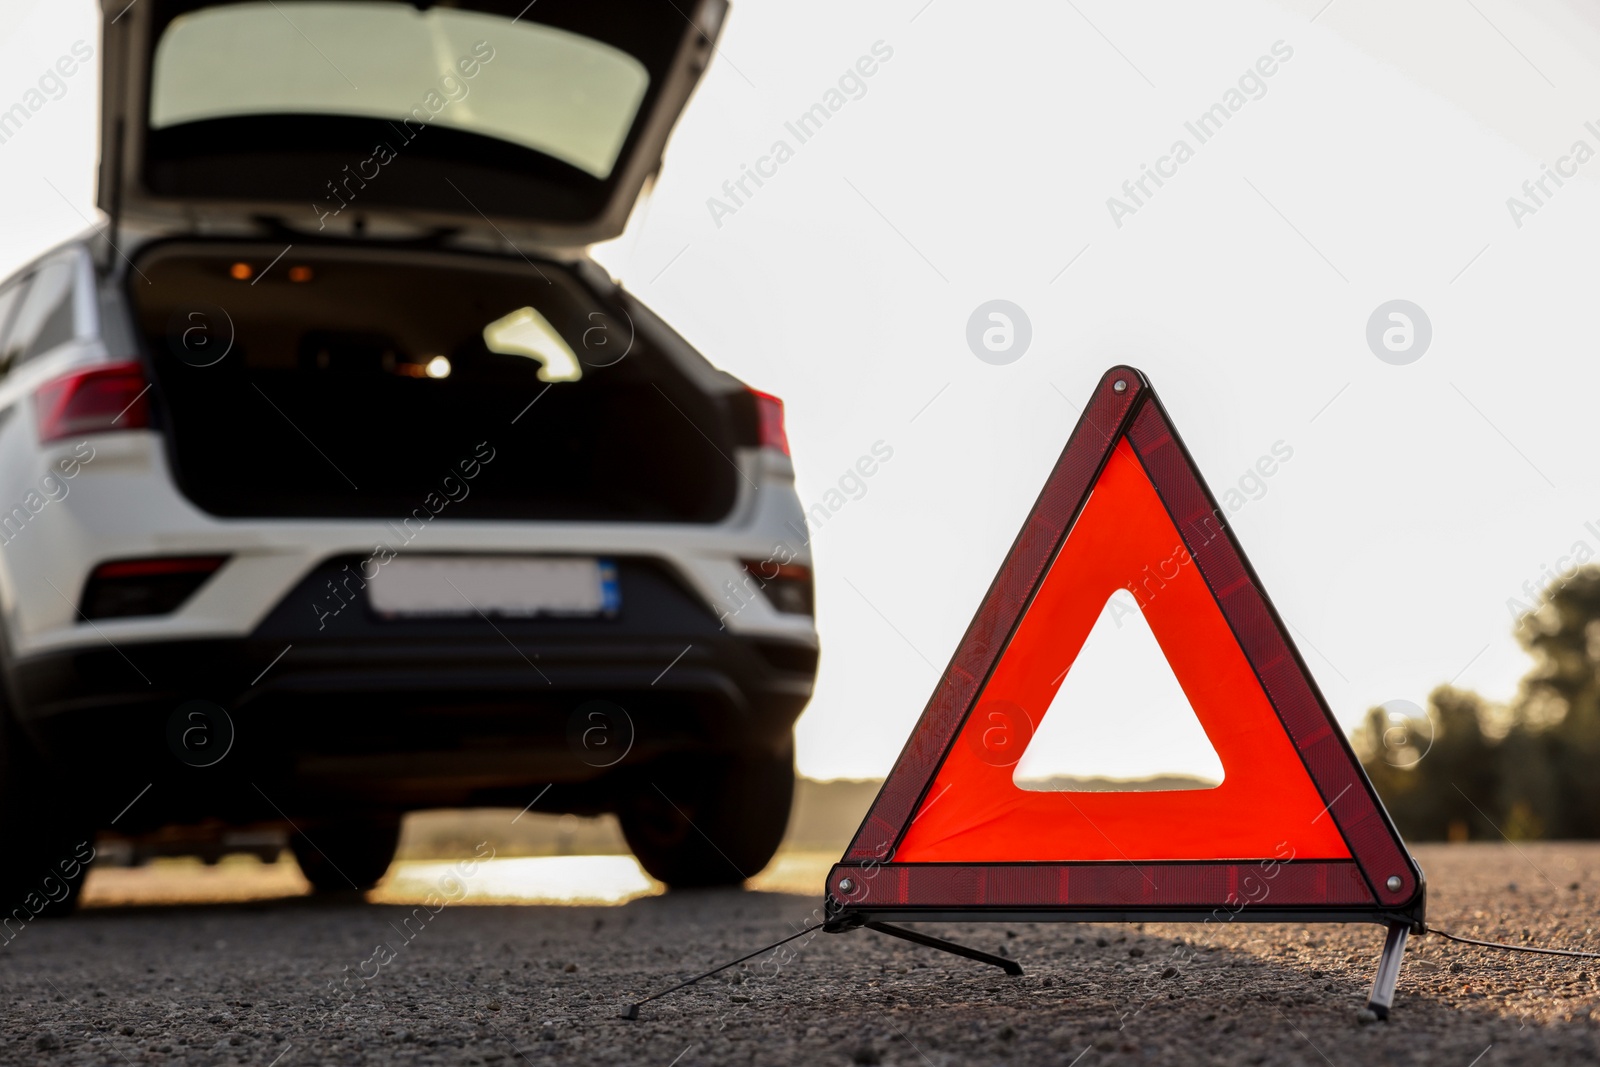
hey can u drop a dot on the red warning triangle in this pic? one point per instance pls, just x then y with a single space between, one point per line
1294 828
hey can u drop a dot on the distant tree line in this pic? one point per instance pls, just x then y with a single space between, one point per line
1472 770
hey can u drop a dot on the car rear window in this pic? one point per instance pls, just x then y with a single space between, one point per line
10 297
538 87
44 319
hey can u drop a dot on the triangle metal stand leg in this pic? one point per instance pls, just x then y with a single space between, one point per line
1394 947
1011 967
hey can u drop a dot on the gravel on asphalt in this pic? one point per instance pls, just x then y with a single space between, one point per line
297 981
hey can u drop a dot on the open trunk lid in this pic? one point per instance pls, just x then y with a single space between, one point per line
537 122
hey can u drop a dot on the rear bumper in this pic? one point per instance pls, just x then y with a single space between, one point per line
124 505
403 715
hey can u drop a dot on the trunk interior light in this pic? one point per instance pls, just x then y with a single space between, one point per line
430 367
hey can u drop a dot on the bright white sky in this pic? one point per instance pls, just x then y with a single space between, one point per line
977 166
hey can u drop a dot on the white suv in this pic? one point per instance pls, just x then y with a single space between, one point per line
336 481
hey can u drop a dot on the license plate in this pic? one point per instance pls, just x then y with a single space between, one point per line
508 586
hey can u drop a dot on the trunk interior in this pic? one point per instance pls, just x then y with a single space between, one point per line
350 382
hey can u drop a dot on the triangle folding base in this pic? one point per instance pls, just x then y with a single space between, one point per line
1293 833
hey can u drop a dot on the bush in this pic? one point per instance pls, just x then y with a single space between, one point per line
1471 771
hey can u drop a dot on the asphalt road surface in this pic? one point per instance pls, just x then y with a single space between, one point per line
292 981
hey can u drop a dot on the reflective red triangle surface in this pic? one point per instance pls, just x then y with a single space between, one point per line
1294 825
1266 802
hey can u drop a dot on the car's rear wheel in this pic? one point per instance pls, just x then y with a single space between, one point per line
711 820
346 855
48 841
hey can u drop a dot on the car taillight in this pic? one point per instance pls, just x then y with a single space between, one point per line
787 585
769 421
153 586
97 400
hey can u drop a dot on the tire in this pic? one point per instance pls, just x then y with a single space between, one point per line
347 855
708 821
48 842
